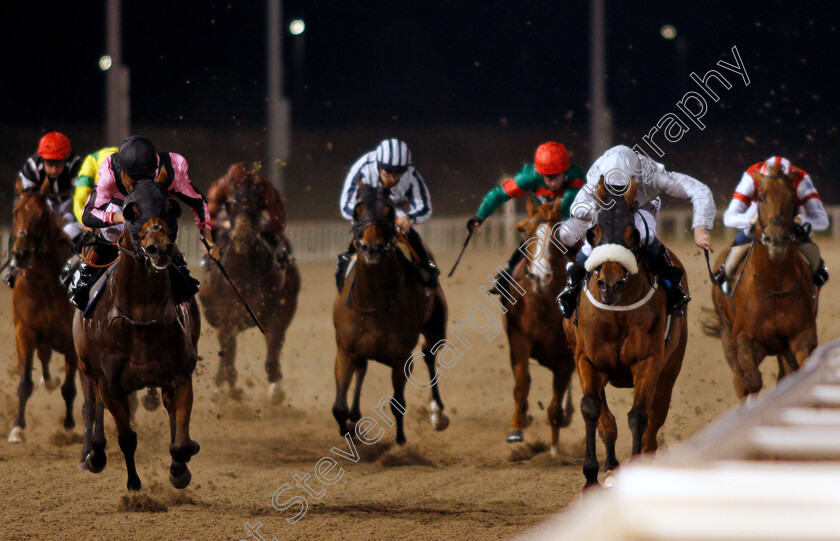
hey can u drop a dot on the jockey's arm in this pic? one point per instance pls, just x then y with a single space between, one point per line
217 196
812 205
417 196
686 187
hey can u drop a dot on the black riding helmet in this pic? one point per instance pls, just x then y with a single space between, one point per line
138 157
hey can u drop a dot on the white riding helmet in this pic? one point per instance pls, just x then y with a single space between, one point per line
393 155
618 164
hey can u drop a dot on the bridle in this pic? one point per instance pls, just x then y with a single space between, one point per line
543 248
40 241
777 220
374 201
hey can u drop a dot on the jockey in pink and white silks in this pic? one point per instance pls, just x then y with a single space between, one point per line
743 209
617 166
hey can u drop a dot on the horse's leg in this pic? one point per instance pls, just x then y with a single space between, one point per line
661 402
398 379
557 415
645 380
25 352
127 438
356 410
520 353
803 344
749 357
151 401
275 336
44 355
592 385
787 364
608 430
227 359
88 414
344 368
68 388
730 353
181 447
434 331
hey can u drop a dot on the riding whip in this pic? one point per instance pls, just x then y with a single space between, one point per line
709 267
235 290
466 242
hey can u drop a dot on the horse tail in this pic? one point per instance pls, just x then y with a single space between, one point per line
711 324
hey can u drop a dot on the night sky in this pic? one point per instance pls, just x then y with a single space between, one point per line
519 70
376 62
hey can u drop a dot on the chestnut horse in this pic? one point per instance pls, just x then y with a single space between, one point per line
772 309
269 286
138 336
380 313
42 314
620 336
533 323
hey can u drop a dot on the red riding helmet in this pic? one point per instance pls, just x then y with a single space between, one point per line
551 158
54 146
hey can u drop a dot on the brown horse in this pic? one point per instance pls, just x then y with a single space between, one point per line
42 314
533 323
138 336
620 335
269 286
773 306
380 313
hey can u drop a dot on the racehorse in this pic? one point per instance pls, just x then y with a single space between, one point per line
269 286
380 313
533 323
42 315
772 309
138 335
622 335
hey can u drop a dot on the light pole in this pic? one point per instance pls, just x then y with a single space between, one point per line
600 117
279 137
117 98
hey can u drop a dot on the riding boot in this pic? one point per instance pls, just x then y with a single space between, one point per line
341 265
723 275
671 276
568 299
184 286
80 283
499 285
10 271
821 276
427 269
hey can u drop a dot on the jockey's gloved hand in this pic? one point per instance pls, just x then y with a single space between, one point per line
474 222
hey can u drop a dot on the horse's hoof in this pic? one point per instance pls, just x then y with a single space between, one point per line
134 483
51 384
515 436
16 435
179 475
609 479
151 401
236 394
554 451
91 462
438 419
275 393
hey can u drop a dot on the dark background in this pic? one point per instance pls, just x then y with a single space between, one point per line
472 87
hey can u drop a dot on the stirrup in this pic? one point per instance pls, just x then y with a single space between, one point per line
719 277
821 276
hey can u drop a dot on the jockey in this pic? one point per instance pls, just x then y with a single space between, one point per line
54 160
87 179
617 166
743 210
137 159
270 201
549 177
390 166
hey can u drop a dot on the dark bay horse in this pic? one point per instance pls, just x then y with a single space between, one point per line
773 306
270 286
620 336
139 336
42 315
380 313
534 325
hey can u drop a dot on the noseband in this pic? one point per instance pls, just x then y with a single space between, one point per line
374 201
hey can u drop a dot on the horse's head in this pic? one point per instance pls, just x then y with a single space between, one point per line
31 222
775 225
543 254
151 219
243 209
614 240
373 223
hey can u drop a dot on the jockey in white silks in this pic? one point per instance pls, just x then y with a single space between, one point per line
617 166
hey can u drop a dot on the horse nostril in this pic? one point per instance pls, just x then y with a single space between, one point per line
152 250
601 284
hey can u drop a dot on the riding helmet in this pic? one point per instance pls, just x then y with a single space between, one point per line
551 158
393 155
138 156
54 146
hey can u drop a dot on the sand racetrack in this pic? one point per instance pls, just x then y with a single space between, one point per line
465 482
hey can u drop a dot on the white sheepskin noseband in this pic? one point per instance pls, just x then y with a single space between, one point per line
612 252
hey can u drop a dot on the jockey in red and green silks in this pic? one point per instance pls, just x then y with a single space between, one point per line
549 177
